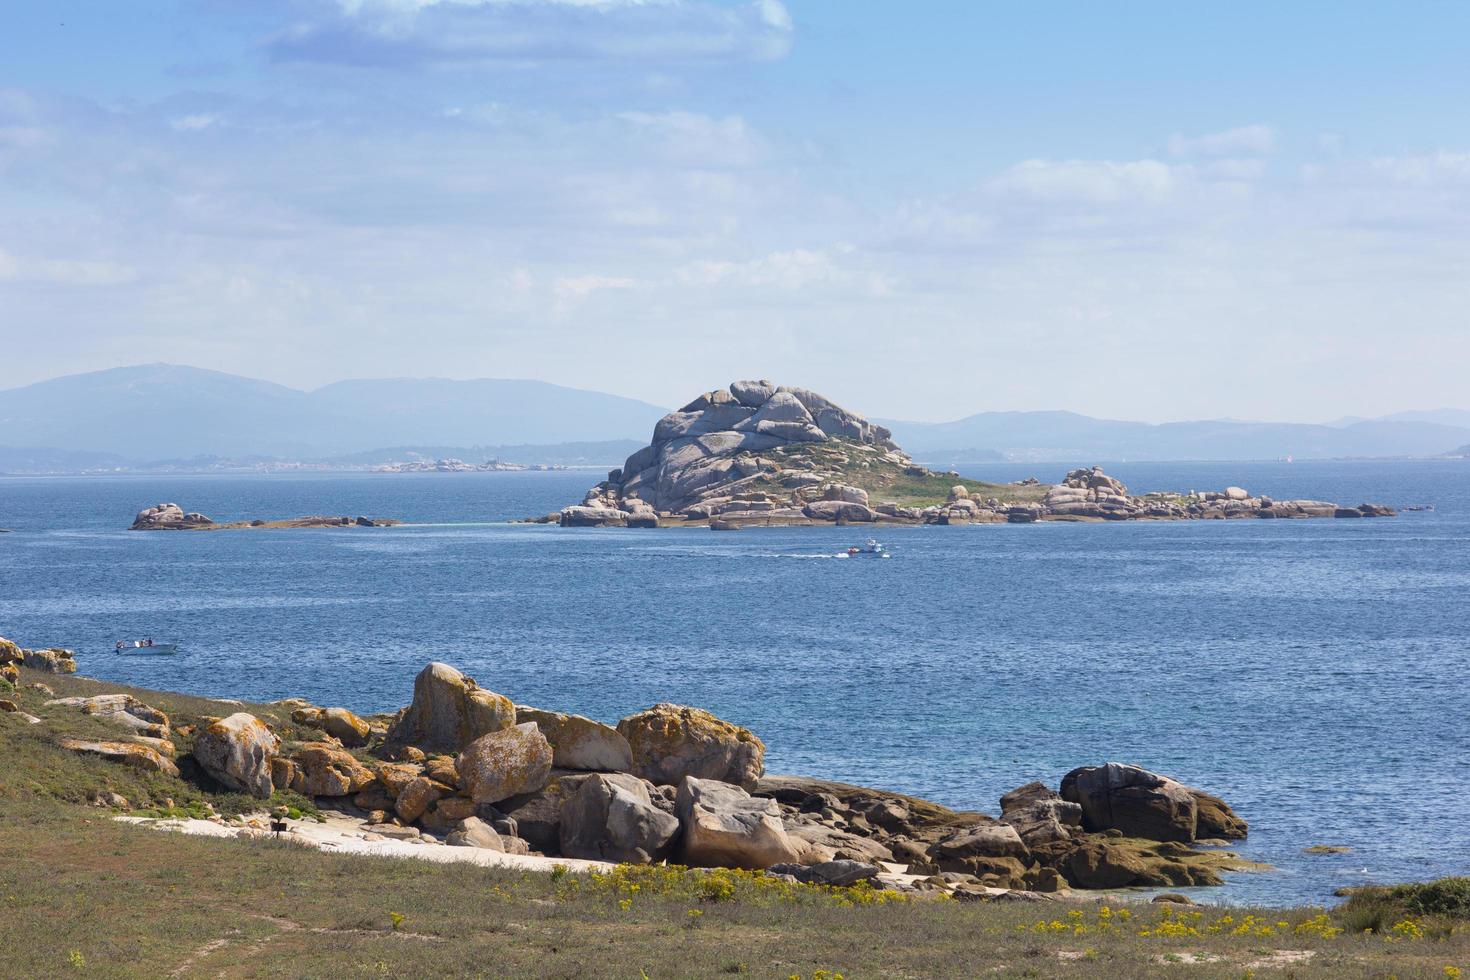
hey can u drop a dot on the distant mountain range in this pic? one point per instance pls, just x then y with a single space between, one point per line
168 417
1044 436
166 412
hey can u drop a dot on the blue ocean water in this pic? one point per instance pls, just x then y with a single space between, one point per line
1313 673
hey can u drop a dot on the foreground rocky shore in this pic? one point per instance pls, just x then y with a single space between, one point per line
465 766
758 454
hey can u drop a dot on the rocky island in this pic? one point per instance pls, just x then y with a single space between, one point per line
172 517
759 454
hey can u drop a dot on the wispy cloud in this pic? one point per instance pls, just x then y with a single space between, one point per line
194 122
1256 140
481 33
63 272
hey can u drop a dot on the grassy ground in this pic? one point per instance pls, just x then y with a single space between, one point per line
82 894
863 467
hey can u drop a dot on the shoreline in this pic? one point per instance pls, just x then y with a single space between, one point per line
461 761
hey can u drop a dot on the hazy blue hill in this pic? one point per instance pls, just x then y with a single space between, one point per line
1444 416
408 411
161 411
1069 436
156 410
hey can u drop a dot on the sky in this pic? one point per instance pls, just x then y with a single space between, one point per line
1136 210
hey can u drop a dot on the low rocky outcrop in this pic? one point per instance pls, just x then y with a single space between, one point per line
835 874
52 661
724 826
339 723
324 769
168 517
474 832
120 709
505 763
237 752
172 517
449 711
580 743
127 753
671 741
612 817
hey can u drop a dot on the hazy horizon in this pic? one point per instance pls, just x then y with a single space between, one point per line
672 404
1148 212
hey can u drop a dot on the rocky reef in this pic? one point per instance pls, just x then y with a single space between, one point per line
758 453
172 517
465 766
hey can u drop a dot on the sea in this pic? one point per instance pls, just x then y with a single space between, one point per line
1312 673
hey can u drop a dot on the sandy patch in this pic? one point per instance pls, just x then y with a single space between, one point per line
344 835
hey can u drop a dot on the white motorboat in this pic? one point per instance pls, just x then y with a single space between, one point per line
146 646
871 549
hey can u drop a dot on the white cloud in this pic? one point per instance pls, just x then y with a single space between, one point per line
693 137
1257 140
63 272
1435 168
1086 181
193 123
482 33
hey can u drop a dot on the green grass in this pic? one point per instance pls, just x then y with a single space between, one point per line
83 894
886 481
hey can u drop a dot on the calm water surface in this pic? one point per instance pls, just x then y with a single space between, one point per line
1312 673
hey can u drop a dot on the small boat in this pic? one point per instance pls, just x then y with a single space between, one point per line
146 646
871 549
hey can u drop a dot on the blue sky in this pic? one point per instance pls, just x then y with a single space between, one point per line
1141 210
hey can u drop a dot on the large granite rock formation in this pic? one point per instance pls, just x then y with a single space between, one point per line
168 517
505 763
237 751
758 453
671 741
719 447
449 711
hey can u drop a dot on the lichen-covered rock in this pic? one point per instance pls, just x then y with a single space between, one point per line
611 817
1215 819
393 776
237 752
449 711
339 723
671 741
1106 862
414 798
580 743
127 753
120 709
724 826
1133 800
446 812
323 769
52 661
505 763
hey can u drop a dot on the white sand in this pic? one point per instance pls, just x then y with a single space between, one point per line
344 835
